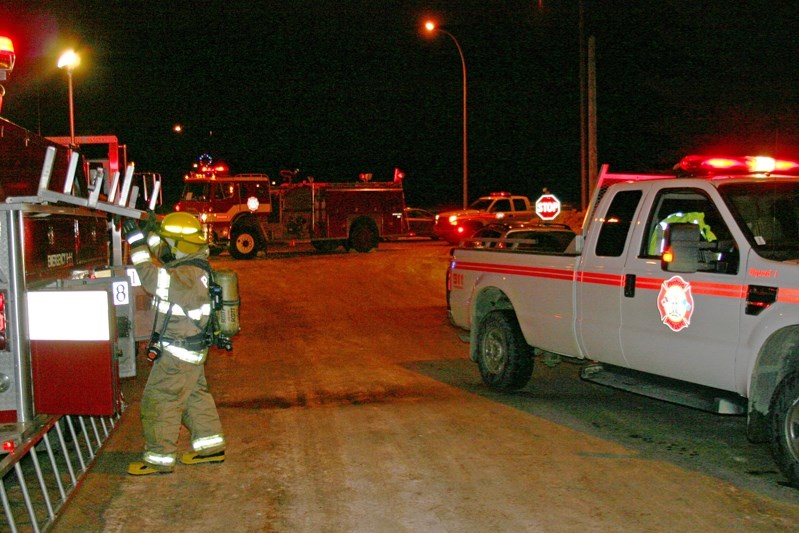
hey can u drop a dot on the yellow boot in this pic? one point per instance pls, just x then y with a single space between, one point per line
143 469
193 458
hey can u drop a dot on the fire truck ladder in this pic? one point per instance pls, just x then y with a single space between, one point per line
39 477
49 455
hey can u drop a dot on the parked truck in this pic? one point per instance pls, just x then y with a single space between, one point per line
69 321
245 212
681 287
454 226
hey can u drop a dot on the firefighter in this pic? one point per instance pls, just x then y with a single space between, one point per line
176 390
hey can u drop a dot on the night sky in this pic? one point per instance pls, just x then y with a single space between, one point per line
340 88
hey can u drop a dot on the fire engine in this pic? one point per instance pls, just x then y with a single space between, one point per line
245 212
68 327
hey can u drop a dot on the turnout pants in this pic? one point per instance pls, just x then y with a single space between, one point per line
177 392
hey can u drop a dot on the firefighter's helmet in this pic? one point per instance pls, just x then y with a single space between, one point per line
184 230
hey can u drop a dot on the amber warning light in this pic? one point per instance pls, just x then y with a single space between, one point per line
7 56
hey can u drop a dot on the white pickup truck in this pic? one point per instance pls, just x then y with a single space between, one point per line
681 287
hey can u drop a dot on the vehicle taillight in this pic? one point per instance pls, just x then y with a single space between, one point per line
2 320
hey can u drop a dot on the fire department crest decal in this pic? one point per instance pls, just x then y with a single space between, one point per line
675 303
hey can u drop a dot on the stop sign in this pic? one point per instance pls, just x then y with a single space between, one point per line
547 207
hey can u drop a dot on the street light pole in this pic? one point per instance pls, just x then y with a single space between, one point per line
70 60
431 27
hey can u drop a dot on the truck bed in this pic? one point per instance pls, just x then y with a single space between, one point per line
515 279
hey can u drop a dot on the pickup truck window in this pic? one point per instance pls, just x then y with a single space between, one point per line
616 224
481 204
519 204
680 206
768 215
501 206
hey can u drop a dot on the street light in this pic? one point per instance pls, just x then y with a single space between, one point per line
431 27
69 60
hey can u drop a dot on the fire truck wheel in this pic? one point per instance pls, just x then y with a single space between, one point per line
504 357
243 243
363 236
785 427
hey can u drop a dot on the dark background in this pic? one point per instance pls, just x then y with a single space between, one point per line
340 88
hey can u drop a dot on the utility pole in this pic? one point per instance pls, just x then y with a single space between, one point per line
588 147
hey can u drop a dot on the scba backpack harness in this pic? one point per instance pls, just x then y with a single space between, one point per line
210 335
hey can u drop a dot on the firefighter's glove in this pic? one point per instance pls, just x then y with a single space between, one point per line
131 232
151 224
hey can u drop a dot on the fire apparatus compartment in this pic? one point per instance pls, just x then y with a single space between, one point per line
73 363
47 253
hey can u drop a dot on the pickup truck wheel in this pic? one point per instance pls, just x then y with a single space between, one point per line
785 427
504 357
243 243
363 236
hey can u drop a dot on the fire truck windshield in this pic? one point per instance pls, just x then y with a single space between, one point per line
196 191
768 215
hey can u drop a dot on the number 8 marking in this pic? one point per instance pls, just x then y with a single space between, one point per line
120 292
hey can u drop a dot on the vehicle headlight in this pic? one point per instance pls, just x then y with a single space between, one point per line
453 219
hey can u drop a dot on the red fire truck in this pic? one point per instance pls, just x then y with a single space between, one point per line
68 326
245 212
68 311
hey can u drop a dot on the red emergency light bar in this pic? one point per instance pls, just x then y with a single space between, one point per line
714 166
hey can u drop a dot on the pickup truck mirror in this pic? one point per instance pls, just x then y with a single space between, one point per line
682 244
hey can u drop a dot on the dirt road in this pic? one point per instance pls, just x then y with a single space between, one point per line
336 421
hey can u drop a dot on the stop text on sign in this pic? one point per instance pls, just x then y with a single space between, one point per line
547 207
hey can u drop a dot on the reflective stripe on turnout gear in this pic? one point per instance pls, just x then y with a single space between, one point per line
162 286
139 256
207 443
189 356
160 459
195 314
135 237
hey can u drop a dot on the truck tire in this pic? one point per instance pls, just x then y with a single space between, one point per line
785 427
363 236
504 357
243 242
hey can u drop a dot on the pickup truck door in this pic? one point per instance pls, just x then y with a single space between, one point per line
683 325
501 210
599 279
